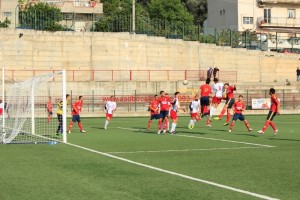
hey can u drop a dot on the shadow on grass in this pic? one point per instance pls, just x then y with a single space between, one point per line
273 138
245 134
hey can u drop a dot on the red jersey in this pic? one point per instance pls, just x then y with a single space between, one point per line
238 106
76 107
164 103
154 105
274 103
49 106
205 90
230 90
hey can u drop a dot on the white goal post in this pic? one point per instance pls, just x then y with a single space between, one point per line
30 109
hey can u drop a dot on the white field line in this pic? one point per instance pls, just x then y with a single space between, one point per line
176 174
183 150
206 138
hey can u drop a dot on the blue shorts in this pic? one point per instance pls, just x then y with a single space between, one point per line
155 116
237 116
76 118
204 101
271 115
230 102
164 113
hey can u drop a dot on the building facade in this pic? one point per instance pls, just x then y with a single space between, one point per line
78 15
273 19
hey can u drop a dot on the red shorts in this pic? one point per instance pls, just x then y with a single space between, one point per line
217 100
194 115
109 115
173 114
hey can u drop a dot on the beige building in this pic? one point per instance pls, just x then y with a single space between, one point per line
278 18
77 14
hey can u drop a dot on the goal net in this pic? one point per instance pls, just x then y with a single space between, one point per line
30 109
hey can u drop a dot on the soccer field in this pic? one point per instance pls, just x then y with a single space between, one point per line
128 162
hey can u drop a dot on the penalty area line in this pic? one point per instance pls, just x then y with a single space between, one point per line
183 150
175 174
206 138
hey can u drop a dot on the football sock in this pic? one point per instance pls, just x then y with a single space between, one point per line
247 124
191 122
212 110
228 117
222 113
49 118
70 125
159 125
231 125
149 123
207 121
106 123
273 125
80 126
173 127
265 126
166 124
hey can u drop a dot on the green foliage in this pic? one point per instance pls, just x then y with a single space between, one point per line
5 23
198 8
41 16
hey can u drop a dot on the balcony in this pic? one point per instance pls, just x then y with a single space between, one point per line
77 6
279 22
261 2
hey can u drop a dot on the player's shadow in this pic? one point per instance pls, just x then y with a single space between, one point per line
245 134
98 128
279 139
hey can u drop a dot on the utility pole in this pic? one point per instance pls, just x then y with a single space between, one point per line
133 16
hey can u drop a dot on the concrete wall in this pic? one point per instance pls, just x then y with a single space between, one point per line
123 51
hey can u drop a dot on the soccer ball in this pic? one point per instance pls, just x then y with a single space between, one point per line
185 82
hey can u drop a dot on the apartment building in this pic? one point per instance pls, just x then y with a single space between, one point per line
274 19
78 15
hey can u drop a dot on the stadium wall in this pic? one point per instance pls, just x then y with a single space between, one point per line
38 50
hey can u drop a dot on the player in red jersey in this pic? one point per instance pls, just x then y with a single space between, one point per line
1 107
205 92
164 105
154 111
229 96
49 109
239 107
76 109
275 109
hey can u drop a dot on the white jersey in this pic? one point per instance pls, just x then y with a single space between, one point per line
195 106
218 89
175 105
110 106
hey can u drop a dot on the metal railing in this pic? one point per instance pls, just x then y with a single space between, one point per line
124 75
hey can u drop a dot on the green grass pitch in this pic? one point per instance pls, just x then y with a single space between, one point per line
259 164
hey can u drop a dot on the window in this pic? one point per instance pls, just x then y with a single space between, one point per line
291 13
247 20
221 12
267 15
7 14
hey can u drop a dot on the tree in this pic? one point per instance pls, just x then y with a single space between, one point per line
5 23
198 8
41 16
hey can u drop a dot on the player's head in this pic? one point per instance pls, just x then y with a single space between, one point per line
111 98
68 97
80 97
0 100
156 97
226 85
216 80
50 98
272 91
176 93
207 81
241 97
162 93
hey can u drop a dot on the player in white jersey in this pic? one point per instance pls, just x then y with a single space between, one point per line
195 109
218 90
175 106
110 108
